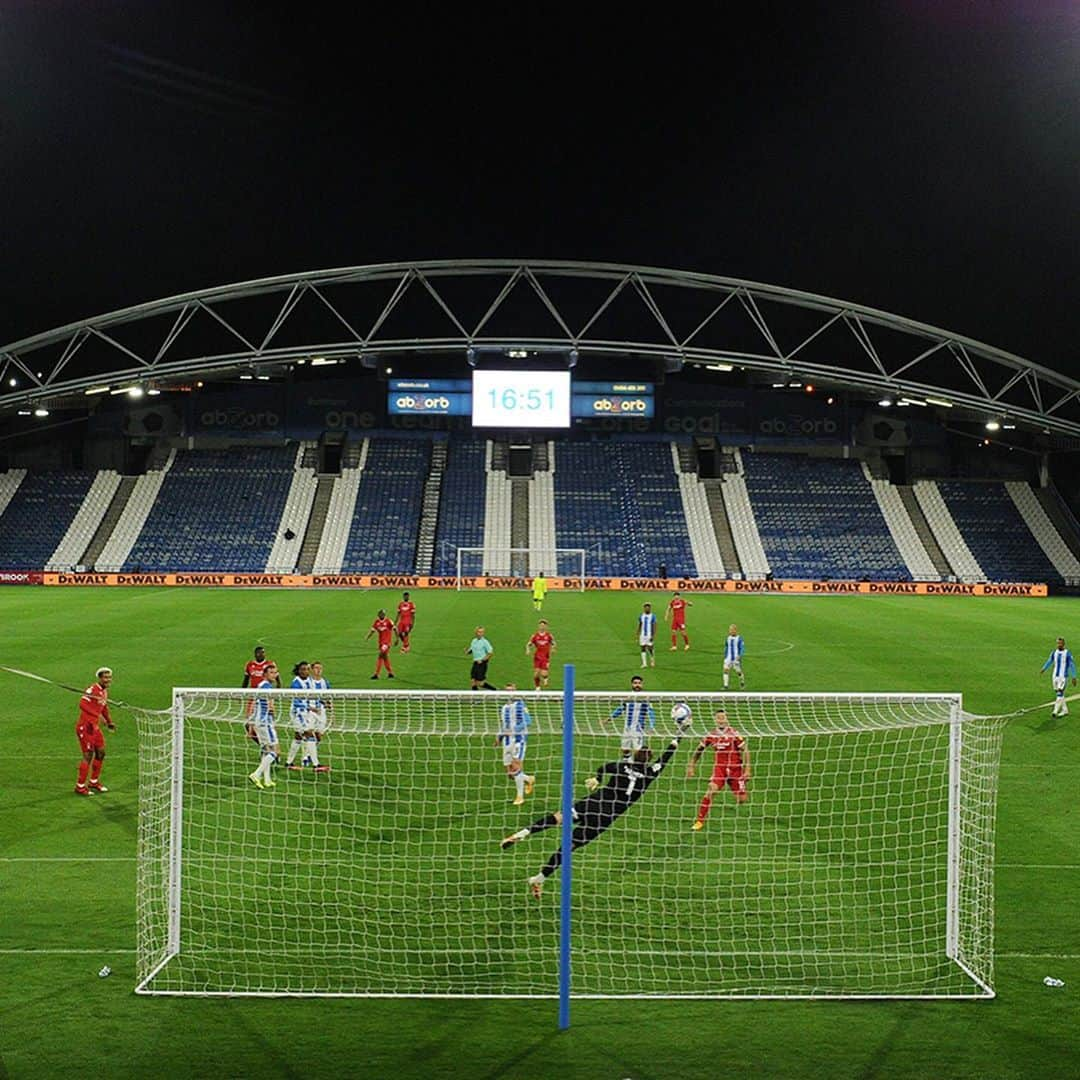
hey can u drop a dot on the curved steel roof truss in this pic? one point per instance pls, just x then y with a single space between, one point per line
449 306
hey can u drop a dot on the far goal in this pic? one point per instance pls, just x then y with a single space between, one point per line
566 564
858 862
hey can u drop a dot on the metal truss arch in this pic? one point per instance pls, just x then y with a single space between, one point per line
447 306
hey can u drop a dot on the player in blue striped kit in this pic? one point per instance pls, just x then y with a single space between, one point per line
265 732
635 711
302 718
1062 668
734 647
647 634
513 737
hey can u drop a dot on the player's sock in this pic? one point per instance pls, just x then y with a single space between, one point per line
536 682
530 783
265 766
703 809
313 750
742 682
725 680
84 768
642 657
95 770
519 783
294 749
546 822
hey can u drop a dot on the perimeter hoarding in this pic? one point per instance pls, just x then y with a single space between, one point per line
601 584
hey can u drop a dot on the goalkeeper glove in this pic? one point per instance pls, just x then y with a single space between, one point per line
592 783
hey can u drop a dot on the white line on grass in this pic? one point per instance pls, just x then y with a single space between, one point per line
63 952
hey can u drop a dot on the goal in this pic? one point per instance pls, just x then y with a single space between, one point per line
861 864
566 563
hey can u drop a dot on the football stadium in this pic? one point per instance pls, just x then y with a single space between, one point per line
729 632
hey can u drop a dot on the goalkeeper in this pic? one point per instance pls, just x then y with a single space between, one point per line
627 780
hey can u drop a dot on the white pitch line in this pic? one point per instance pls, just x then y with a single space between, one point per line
63 952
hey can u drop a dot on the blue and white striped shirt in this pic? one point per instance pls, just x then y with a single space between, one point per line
1061 660
636 711
733 648
263 714
301 705
514 721
647 625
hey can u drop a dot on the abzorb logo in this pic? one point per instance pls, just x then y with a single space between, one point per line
421 403
795 425
238 419
619 406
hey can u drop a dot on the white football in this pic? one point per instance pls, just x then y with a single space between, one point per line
680 713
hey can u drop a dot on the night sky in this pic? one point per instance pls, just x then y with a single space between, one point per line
922 157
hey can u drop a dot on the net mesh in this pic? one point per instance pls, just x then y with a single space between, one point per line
847 871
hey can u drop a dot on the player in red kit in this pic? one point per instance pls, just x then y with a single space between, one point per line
731 765
540 645
384 627
93 712
676 615
254 673
406 616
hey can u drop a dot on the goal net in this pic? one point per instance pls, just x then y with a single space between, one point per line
859 865
566 563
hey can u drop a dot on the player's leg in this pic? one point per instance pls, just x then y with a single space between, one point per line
86 748
727 673
95 766
581 836
739 672
295 747
311 750
737 782
317 734
674 637
685 638
706 804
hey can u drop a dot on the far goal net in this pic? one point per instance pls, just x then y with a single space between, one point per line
860 863
565 564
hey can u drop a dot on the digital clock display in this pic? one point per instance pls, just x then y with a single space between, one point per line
532 399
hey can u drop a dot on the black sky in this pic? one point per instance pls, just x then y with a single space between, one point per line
921 156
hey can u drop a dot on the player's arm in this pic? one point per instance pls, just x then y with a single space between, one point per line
667 613
650 712
1049 661
615 715
107 718
695 757
247 681
744 758
658 767
608 768
372 631
529 647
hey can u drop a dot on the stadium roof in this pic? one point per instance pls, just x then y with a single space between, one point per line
446 307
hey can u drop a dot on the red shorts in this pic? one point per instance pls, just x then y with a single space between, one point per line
384 648
541 663
90 737
733 778
678 624
404 628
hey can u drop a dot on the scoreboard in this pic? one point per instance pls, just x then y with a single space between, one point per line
521 399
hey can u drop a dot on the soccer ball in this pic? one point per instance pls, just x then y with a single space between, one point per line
680 713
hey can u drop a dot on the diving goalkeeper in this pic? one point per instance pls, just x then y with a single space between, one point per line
627 780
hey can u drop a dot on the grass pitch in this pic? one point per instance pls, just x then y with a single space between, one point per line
67 869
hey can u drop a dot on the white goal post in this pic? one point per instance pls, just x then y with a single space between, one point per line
473 562
859 866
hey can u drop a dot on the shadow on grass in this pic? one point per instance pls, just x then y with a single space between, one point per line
121 814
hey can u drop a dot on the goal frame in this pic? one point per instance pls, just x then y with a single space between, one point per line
173 862
530 554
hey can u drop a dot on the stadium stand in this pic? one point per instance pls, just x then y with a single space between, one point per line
912 550
389 500
707 559
620 501
953 546
995 531
292 527
542 511
461 502
38 514
85 523
818 518
215 510
1045 532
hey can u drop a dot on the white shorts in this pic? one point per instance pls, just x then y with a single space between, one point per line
267 734
1060 684
514 750
301 721
317 720
645 639
733 665
632 740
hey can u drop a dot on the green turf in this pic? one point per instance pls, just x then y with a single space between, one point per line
67 870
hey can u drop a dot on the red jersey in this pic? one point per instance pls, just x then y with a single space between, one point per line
255 670
94 705
677 608
542 643
728 745
405 611
385 629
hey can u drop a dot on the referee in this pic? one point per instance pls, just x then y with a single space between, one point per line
628 779
481 651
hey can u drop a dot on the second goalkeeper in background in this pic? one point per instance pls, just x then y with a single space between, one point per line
627 780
